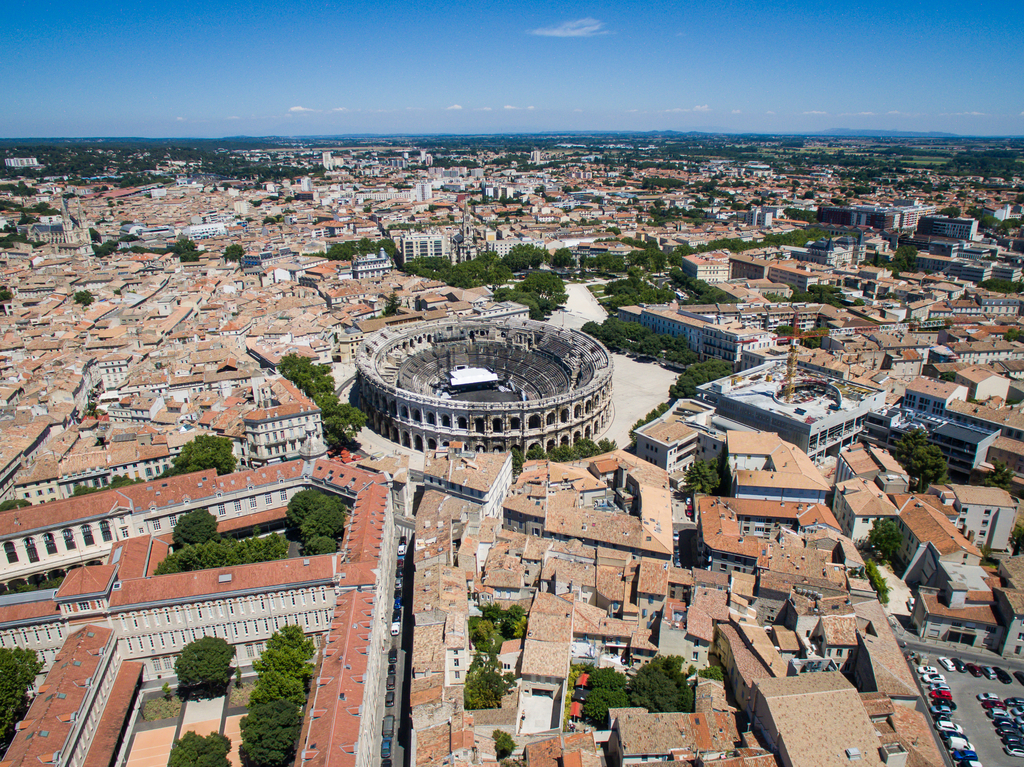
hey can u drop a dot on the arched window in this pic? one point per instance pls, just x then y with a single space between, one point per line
12 553
69 539
51 545
30 548
105 533
87 535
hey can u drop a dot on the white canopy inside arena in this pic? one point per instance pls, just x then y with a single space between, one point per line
465 377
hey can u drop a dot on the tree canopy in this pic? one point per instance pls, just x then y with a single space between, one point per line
341 421
85 298
204 452
222 552
319 518
195 527
1001 476
204 665
284 669
922 461
193 750
702 477
18 670
270 731
234 252
885 536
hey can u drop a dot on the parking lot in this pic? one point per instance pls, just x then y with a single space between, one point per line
972 717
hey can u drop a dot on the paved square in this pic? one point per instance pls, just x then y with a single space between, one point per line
233 730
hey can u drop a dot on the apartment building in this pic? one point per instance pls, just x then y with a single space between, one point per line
931 396
483 478
709 270
279 432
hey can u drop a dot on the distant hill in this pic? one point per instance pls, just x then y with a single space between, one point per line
882 133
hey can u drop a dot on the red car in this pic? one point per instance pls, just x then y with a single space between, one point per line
941 696
993 704
974 669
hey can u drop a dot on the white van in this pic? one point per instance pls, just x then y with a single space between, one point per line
958 742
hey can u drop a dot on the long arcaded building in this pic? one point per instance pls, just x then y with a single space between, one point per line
493 385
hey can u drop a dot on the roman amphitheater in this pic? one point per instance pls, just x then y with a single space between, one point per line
493 385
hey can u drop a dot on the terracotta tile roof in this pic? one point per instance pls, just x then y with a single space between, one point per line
87 580
49 720
107 737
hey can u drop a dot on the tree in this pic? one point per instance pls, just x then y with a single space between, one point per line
607 678
83 297
195 527
536 453
724 473
486 685
284 668
702 477
205 665
234 252
392 305
563 258
341 421
195 750
269 732
14 504
653 689
1001 476
601 700
320 545
314 505
18 670
204 452
517 463
922 461
885 537
5 294
326 522
712 673
504 744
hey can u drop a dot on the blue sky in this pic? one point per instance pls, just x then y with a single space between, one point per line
211 68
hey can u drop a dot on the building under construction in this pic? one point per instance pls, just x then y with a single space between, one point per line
819 414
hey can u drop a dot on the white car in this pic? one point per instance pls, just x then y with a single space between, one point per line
927 671
987 697
396 627
947 664
996 712
948 725
929 679
938 687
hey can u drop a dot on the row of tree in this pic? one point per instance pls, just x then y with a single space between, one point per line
636 339
660 685
341 421
198 545
319 518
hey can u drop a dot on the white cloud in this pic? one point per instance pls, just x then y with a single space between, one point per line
737 112
580 28
769 112
509 106
577 110
180 119
636 110
894 112
455 106
975 114
675 109
702 108
530 107
815 112
340 109
482 109
301 109
232 117
866 113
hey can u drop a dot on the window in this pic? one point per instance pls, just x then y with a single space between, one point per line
173 520
30 549
221 511
238 505
51 545
12 553
268 499
156 525
84 605
124 533
252 502
87 535
69 539
105 531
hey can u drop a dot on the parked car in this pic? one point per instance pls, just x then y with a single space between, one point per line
391 683
958 664
1006 730
398 603
1012 740
988 696
385 747
990 672
1014 701
927 671
974 669
941 695
388 726
1003 677
1020 676
1013 751
942 708
960 745
929 679
393 655
963 754
998 712
1015 711
392 669
938 686
948 725
403 546
396 628
992 704
947 664
1005 723
389 699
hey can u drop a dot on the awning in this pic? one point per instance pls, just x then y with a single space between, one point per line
576 710
581 681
